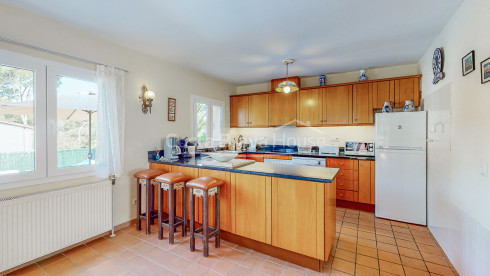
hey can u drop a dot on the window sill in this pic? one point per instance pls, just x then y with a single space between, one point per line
12 189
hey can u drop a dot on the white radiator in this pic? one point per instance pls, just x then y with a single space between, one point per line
35 225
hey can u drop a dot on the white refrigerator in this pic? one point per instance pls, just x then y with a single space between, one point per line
401 157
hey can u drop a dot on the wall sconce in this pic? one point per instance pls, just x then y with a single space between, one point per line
146 98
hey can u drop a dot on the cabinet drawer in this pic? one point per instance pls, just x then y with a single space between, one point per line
341 163
346 174
345 195
343 184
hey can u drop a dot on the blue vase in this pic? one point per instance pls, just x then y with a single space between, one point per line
322 79
363 76
387 107
409 106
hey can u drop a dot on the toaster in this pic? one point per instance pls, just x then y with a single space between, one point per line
328 150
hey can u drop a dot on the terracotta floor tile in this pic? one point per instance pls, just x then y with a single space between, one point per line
399 224
436 259
424 240
412 262
367 251
366 235
367 261
51 260
125 257
62 267
194 269
31 270
79 253
365 228
92 261
430 249
366 223
386 227
352 215
388 256
160 256
295 267
391 267
350 225
351 220
387 247
259 254
347 238
409 252
107 248
382 221
252 261
235 256
403 236
107 268
345 255
347 246
339 273
271 268
422 234
184 251
406 244
409 271
276 260
141 247
241 271
348 231
208 261
366 242
344 266
439 269
224 266
403 230
366 271
211 273
384 232
386 239
291 272
352 211
125 240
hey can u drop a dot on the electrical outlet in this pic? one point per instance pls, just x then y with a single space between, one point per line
134 201
484 170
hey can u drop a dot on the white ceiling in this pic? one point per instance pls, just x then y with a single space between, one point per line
244 42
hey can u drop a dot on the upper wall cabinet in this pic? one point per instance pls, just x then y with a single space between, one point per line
282 109
310 107
249 111
362 103
331 105
337 105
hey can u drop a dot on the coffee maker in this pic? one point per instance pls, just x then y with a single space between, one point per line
171 149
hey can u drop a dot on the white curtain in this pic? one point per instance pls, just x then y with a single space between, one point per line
110 121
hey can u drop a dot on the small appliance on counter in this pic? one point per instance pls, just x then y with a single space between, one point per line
253 145
359 148
183 148
192 147
329 150
304 149
171 150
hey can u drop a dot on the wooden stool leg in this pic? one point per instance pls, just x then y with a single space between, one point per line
205 223
148 206
216 219
152 203
191 220
138 205
184 212
160 212
171 213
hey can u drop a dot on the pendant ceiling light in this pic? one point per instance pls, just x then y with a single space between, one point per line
287 86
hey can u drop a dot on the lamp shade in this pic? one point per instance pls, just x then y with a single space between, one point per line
287 87
150 95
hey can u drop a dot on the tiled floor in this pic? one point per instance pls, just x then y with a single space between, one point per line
364 245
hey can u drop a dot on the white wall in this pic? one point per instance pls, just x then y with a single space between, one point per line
458 195
143 132
373 73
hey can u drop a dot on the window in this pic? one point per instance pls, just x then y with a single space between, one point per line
46 111
208 120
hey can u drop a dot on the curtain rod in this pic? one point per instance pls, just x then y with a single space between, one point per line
52 52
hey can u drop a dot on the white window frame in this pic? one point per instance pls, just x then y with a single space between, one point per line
23 62
211 140
52 120
45 143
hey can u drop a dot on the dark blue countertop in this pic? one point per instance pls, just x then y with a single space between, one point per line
308 173
313 154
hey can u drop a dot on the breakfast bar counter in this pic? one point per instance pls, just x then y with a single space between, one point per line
281 210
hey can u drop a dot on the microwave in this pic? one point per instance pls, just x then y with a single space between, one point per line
359 148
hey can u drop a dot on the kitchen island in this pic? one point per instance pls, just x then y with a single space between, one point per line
281 210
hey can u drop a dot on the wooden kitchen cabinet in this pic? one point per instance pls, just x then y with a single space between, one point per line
362 104
239 111
225 200
310 107
383 91
407 89
282 109
337 105
366 182
251 206
249 111
297 207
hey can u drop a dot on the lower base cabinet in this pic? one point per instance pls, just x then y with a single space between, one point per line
251 206
298 216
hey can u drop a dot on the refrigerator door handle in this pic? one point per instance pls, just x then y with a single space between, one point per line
399 148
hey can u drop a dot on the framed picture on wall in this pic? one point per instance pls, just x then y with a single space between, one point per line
172 105
485 71
468 63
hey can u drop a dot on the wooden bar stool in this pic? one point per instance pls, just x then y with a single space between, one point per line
145 177
205 187
172 182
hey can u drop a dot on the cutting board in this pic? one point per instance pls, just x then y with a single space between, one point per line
232 164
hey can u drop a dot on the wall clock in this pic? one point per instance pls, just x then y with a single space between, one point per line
437 65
